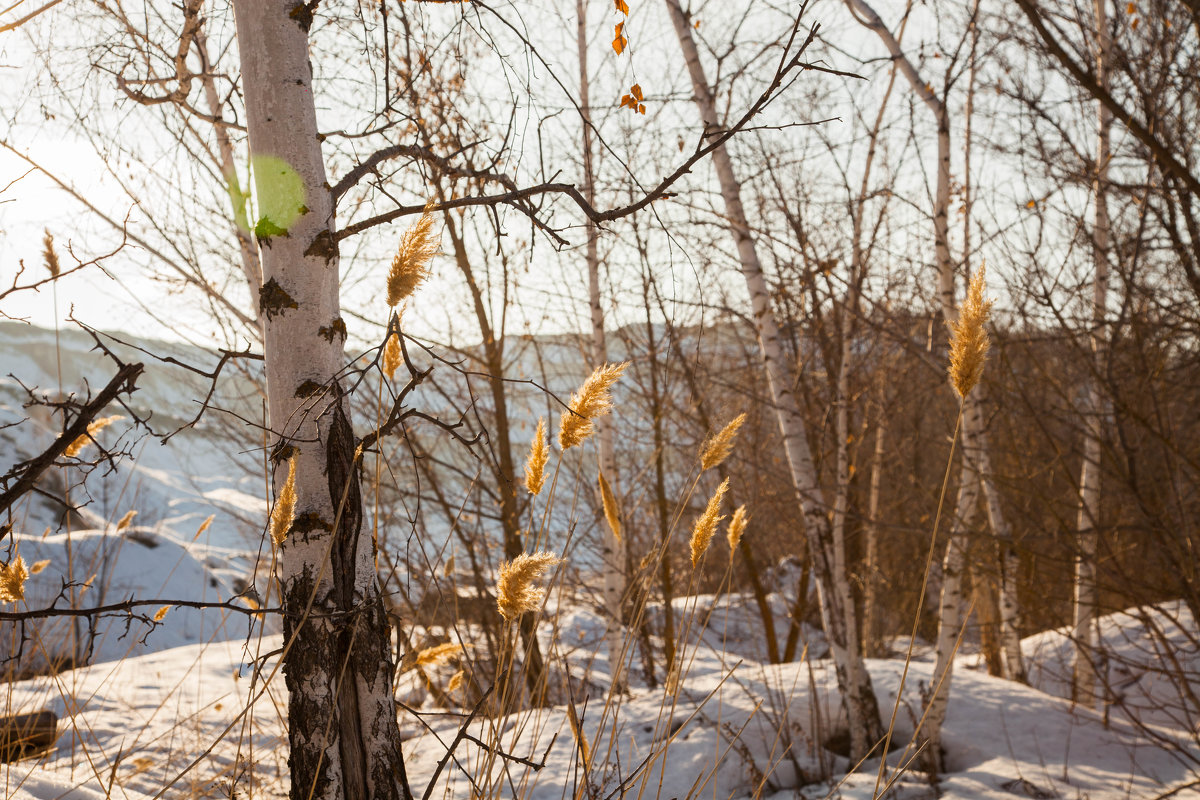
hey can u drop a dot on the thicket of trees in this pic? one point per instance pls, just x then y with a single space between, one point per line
766 214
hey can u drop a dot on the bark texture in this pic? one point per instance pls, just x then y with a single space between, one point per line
342 728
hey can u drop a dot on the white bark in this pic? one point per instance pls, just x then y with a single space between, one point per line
871 571
950 611
613 549
1094 409
833 587
342 727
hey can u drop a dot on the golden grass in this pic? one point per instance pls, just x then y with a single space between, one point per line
49 256
391 356
438 654
969 341
611 512
515 592
94 427
410 267
126 520
737 528
718 447
285 506
535 465
706 523
12 580
594 399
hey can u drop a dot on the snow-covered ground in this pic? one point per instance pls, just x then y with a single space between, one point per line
179 723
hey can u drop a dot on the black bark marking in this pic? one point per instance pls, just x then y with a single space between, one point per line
303 14
307 662
370 767
308 522
323 245
282 452
335 328
308 389
273 299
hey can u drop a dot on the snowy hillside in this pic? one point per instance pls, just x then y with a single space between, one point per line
179 724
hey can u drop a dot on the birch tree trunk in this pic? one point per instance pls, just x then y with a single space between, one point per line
870 627
342 729
613 549
950 610
973 427
1094 410
833 587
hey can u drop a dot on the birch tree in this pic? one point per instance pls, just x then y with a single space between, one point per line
828 551
1093 407
342 728
613 548
978 451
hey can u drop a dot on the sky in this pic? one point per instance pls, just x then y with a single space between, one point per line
552 294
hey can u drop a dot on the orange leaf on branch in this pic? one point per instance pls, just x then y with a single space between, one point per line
620 41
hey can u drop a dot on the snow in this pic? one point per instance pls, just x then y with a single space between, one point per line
736 727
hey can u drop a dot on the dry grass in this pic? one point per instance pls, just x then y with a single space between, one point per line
535 464
515 592
285 506
718 447
94 427
594 399
410 266
706 524
969 341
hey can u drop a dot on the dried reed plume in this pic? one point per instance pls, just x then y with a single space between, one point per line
126 520
438 654
204 525
391 356
410 267
591 401
514 593
969 342
12 580
737 527
706 523
285 506
49 257
718 447
456 681
38 566
580 737
539 454
94 427
611 512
